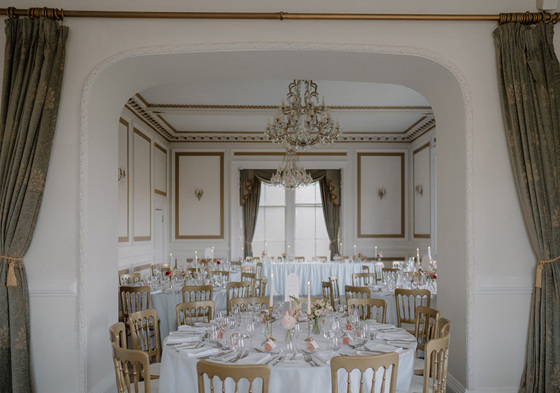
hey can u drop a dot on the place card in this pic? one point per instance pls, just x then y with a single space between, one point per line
269 345
312 345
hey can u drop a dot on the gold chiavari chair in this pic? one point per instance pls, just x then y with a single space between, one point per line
389 270
165 270
351 292
322 258
328 294
129 278
130 367
299 259
237 289
407 300
259 269
195 293
252 278
444 326
303 302
434 379
253 259
344 258
426 329
160 266
380 364
363 279
336 290
242 303
247 269
236 263
369 308
117 334
189 313
365 269
144 330
235 372
260 289
133 299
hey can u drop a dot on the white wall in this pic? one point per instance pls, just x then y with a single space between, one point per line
486 264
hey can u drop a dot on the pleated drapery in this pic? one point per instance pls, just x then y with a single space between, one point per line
529 78
249 196
32 80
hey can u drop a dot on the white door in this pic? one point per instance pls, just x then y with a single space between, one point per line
158 236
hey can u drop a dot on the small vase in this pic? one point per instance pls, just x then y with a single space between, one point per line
267 329
316 329
289 340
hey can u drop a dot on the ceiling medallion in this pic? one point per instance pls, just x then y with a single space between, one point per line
303 122
290 175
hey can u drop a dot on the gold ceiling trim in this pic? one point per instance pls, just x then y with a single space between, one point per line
270 153
273 107
58 13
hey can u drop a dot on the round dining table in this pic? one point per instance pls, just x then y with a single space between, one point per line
291 372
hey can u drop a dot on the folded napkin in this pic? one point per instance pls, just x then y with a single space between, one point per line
179 338
325 356
397 336
380 347
156 292
191 329
202 324
255 358
382 326
394 330
290 358
225 357
198 352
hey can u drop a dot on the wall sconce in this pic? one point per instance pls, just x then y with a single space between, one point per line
122 174
381 191
419 190
198 192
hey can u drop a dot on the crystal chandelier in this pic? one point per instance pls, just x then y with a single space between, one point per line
290 175
303 122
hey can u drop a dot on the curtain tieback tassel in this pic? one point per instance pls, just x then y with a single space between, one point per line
11 280
538 278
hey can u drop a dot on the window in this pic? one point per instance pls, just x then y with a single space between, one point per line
291 222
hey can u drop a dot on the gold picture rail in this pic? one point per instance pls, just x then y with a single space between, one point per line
57 13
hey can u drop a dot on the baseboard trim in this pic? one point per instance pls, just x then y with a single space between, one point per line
454 386
52 288
106 385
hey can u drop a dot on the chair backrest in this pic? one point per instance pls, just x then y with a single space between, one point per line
260 288
390 269
381 365
253 259
350 292
242 303
363 279
328 294
235 372
252 278
189 313
435 366
130 365
365 269
160 266
236 263
369 308
237 289
144 331
322 258
134 299
247 269
195 293
444 326
165 270
299 259
259 269
303 302
129 278
117 334
407 300
336 290
426 325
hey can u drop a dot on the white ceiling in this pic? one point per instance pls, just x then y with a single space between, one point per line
238 111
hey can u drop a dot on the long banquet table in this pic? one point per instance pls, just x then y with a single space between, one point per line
178 369
314 272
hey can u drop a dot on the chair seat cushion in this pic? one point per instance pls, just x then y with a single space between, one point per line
416 385
155 369
418 365
154 386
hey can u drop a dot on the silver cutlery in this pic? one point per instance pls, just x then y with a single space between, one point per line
278 360
309 360
272 358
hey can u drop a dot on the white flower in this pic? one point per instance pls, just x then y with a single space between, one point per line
288 321
317 313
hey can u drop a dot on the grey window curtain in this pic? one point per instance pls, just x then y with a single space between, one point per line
33 68
529 79
250 192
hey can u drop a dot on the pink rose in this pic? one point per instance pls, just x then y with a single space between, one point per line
288 321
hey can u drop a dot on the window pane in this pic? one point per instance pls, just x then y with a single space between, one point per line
305 248
321 227
306 194
322 247
259 227
305 222
274 224
317 193
274 195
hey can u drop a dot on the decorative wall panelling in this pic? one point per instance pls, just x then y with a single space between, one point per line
199 195
381 195
142 186
124 173
160 169
421 192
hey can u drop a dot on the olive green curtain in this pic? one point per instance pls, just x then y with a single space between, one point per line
249 196
529 76
33 67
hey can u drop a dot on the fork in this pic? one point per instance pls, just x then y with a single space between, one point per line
309 360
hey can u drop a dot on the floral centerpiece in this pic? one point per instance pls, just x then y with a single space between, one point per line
430 274
318 311
362 257
289 322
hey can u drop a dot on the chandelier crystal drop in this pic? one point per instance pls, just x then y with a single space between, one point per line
290 175
303 122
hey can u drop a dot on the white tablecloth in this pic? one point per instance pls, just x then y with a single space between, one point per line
178 371
315 272
165 303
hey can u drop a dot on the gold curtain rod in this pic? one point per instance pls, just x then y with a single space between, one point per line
59 14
